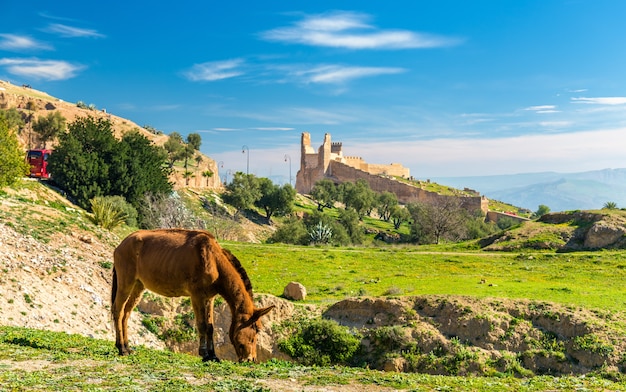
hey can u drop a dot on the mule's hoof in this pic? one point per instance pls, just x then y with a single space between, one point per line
210 358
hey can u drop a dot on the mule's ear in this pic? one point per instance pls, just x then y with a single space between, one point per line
258 313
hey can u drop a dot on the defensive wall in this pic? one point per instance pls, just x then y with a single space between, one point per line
329 162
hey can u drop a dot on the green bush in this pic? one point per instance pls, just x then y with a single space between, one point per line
321 342
12 162
121 204
293 231
106 213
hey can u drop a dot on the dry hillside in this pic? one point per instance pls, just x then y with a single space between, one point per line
21 98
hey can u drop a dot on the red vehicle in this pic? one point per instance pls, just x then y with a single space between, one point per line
38 161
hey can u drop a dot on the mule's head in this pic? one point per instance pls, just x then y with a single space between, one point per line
244 338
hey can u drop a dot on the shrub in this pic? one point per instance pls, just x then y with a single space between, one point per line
161 211
321 342
107 213
292 231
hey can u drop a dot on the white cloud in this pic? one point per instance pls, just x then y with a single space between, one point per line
41 69
337 74
14 42
350 30
562 152
215 70
543 109
601 100
72 32
281 129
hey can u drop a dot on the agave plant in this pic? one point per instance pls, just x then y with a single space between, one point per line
321 234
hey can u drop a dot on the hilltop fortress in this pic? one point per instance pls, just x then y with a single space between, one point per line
329 162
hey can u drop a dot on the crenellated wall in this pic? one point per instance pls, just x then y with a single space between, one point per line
329 162
406 193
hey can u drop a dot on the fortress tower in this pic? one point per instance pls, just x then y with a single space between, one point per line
329 162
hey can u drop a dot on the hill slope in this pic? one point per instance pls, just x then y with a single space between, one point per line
40 104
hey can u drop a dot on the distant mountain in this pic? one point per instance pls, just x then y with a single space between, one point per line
559 191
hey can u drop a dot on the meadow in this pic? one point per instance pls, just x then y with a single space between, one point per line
584 279
43 360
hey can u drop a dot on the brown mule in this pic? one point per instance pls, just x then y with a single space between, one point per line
177 262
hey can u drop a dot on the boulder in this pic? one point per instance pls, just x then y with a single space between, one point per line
602 235
295 291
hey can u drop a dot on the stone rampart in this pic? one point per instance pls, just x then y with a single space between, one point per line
405 193
329 162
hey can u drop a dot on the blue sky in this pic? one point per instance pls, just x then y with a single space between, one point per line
447 88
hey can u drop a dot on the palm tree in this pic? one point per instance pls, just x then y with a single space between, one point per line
610 205
207 174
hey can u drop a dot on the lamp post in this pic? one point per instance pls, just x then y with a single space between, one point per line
228 173
287 157
245 149
219 164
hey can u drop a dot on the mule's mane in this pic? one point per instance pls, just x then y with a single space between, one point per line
242 272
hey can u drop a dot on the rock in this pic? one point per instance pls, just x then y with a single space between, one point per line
295 291
395 365
602 235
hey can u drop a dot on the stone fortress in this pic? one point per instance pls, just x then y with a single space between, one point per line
329 162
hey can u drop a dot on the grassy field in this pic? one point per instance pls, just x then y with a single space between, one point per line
32 360
585 279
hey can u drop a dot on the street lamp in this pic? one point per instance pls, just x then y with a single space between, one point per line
228 173
245 149
219 164
287 157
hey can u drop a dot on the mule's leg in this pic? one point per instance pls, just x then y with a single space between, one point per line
117 308
133 300
205 347
209 332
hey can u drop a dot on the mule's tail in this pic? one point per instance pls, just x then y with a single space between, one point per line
113 289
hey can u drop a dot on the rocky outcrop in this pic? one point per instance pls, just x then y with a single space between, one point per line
604 235
462 335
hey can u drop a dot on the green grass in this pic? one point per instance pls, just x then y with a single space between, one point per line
42 361
586 279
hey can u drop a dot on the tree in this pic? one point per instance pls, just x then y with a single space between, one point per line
89 162
188 151
139 167
541 211
81 160
14 119
349 219
358 196
12 162
194 140
384 204
275 199
207 174
174 147
242 192
325 194
398 215
443 218
49 127
610 205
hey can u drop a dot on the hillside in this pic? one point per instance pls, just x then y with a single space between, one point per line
564 232
56 269
21 98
